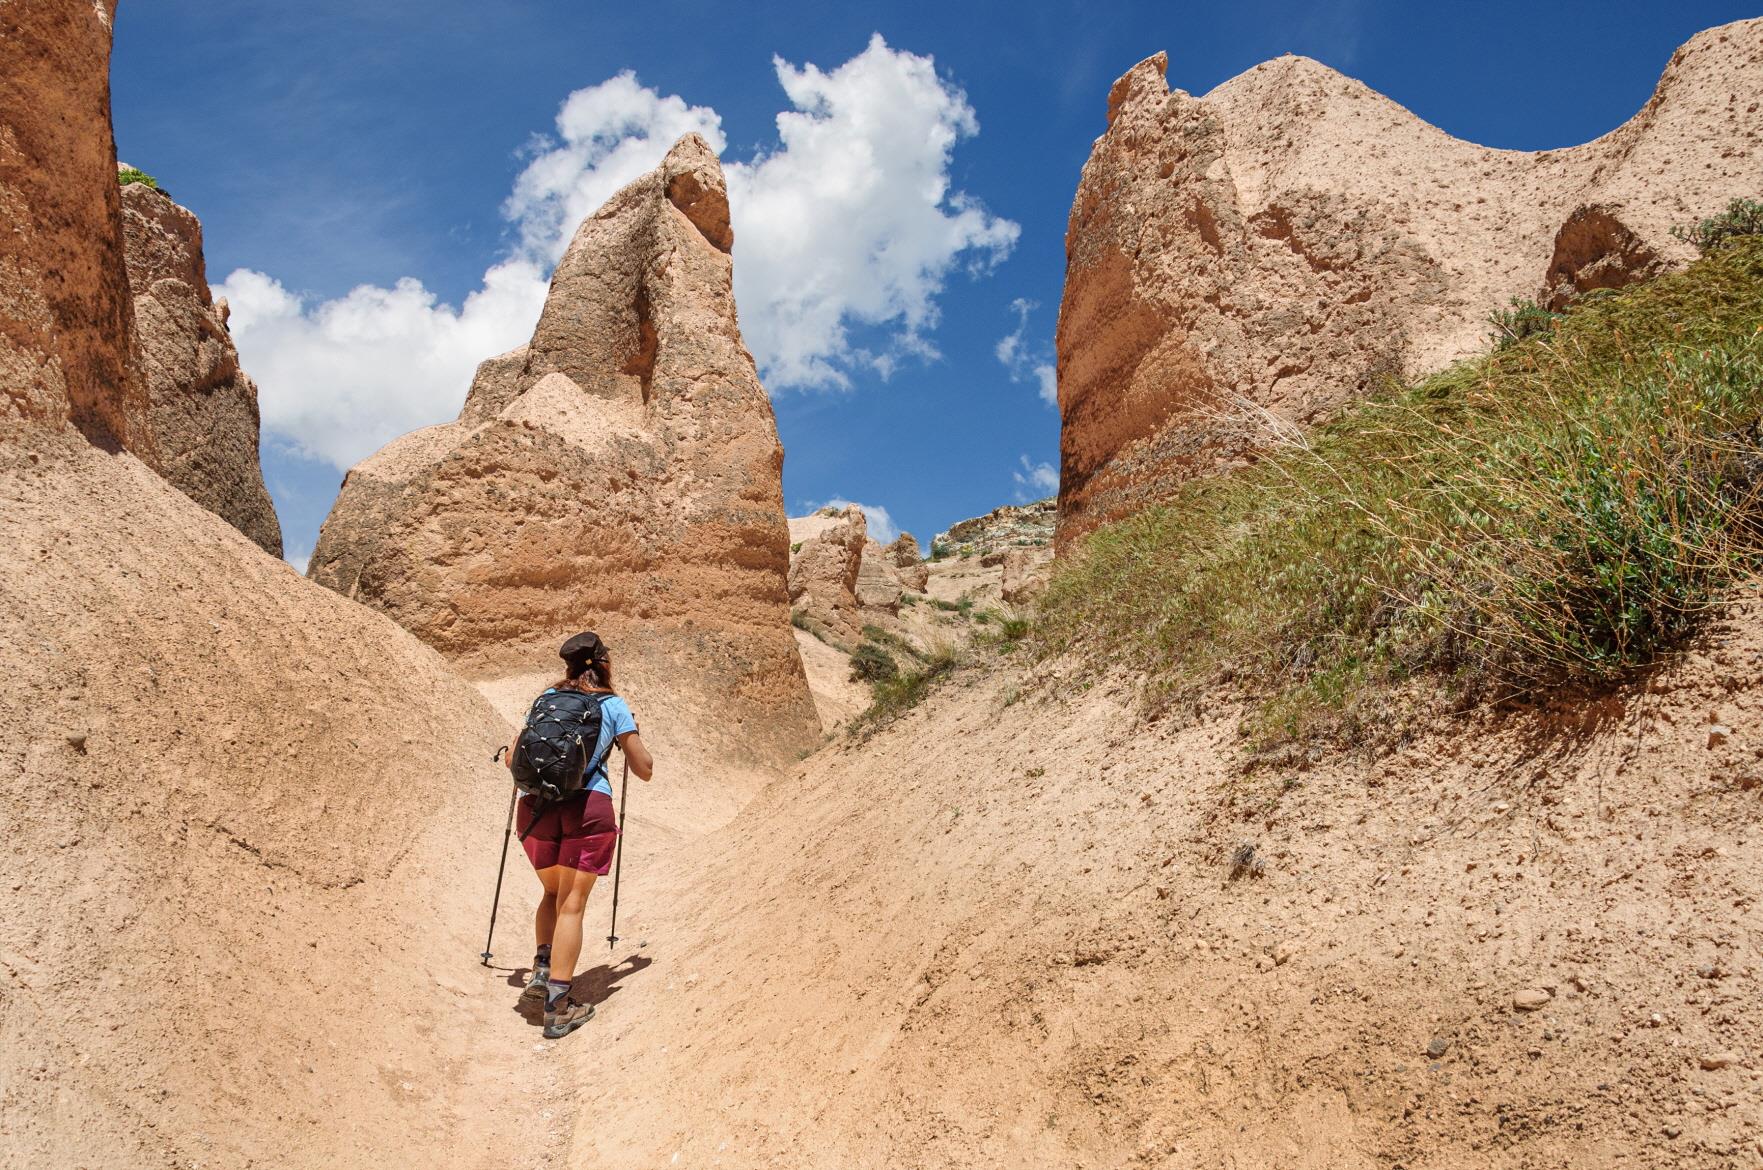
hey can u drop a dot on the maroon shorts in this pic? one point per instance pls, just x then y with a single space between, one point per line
579 833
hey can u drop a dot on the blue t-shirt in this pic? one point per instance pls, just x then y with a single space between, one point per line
615 720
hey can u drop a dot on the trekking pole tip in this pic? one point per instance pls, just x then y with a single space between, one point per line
485 956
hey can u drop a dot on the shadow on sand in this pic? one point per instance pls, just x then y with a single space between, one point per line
595 985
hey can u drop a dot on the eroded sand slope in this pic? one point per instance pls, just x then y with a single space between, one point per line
1004 932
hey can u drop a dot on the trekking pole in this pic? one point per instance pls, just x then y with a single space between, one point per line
624 787
496 901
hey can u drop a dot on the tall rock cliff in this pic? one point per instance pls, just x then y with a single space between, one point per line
1261 255
65 351
200 774
202 409
622 472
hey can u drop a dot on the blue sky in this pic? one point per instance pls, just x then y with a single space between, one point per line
328 145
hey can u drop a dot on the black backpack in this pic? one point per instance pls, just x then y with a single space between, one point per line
554 756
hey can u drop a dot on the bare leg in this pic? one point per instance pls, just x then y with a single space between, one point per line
545 918
572 887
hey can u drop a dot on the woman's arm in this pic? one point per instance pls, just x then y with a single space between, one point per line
641 762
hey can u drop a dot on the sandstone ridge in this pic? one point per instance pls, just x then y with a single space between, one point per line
621 471
1259 256
202 409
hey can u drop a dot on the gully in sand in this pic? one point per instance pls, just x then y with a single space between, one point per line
566 819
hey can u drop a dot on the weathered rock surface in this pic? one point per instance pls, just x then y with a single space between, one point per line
1261 255
878 580
202 409
1026 572
1001 529
200 770
825 569
621 472
908 562
65 352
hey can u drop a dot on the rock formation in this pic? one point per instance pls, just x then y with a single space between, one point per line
64 356
202 409
825 570
1001 529
620 472
878 580
1257 257
204 785
908 562
1026 571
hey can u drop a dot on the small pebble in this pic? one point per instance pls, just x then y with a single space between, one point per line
1438 1047
1530 999
1719 1060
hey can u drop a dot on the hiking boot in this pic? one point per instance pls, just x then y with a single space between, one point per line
566 1017
535 987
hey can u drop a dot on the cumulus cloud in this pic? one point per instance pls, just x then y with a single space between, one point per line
851 220
848 223
339 379
607 136
881 525
1027 361
1035 481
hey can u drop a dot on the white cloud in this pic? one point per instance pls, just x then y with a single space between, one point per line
881 525
1025 360
849 221
1036 481
339 379
608 135
852 220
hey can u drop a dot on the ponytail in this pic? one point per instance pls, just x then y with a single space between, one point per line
586 674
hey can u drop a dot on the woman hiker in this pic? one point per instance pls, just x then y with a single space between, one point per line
570 842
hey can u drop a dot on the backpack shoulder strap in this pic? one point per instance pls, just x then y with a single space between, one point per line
600 710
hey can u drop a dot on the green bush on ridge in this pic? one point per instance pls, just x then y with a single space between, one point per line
1561 510
127 175
1742 217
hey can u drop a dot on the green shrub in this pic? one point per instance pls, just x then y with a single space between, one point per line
128 175
1547 514
873 664
895 696
940 550
1742 218
1523 320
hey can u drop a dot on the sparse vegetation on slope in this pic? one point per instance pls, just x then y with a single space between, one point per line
1742 218
1560 510
127 175
1520 321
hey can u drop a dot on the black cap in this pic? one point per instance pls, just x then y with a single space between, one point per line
584 647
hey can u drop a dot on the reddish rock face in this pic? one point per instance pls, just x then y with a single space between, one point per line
1256 258
621 472
202 409
65 319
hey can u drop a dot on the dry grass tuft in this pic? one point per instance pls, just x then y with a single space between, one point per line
1564 509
